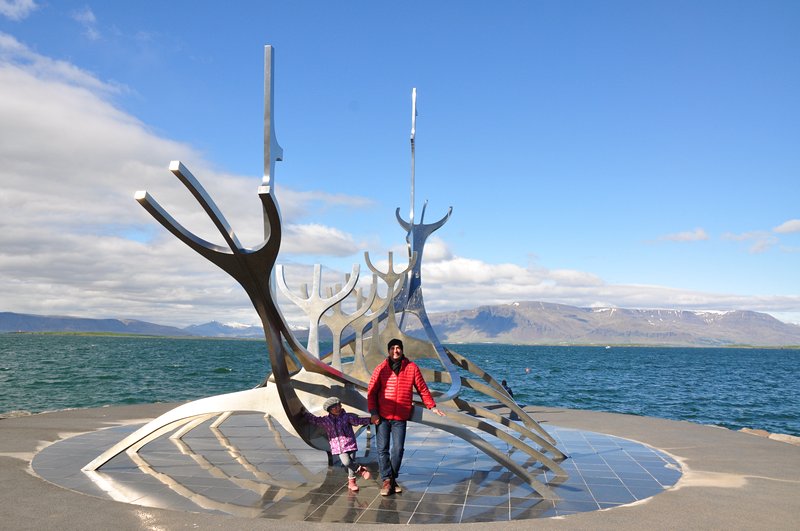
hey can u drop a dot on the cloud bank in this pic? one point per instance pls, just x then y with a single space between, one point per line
75 242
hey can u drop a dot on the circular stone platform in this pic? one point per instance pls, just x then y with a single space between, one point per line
252 468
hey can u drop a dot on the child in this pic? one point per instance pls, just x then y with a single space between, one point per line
339 426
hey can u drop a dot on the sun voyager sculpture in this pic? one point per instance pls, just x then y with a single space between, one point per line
302 376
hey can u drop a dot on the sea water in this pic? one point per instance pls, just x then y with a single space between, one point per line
730 387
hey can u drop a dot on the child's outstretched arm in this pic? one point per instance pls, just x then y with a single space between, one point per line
355 420
313 419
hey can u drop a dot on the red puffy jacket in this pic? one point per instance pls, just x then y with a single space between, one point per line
391 395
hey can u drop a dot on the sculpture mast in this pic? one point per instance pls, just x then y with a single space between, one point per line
413 134
272 150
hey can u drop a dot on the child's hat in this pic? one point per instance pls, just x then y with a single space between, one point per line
329 403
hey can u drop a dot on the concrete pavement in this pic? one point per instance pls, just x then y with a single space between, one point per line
731 480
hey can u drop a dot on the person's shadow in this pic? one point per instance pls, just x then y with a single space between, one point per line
389 509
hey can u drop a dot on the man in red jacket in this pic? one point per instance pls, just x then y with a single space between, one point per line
390 398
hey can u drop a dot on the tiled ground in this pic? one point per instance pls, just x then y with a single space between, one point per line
253 469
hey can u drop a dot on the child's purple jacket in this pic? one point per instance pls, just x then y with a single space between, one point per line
339 429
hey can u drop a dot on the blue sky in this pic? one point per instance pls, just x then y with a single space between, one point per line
630 154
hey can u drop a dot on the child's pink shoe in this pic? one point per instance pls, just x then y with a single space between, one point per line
351 484
363 472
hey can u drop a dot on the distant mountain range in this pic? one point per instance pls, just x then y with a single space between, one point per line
217 329
539 323
20 322
533 323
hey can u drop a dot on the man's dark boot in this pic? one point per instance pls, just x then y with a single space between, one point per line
386 489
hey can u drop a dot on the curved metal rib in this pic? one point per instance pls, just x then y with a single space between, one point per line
339 320
542 438
208 204
410 299
314 305
433 226
498 393
472 409
424 416
179 231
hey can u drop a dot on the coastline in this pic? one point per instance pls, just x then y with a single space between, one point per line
456 343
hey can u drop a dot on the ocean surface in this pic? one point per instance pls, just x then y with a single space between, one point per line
730 387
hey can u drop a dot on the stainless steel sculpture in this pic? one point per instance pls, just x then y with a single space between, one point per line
301 377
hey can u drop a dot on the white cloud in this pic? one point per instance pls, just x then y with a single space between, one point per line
85 17
787 227
300 203
14 53
762 241
569 277
17 9
315 239
687 236
436 250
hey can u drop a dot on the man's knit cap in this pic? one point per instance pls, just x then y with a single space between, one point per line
393 342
